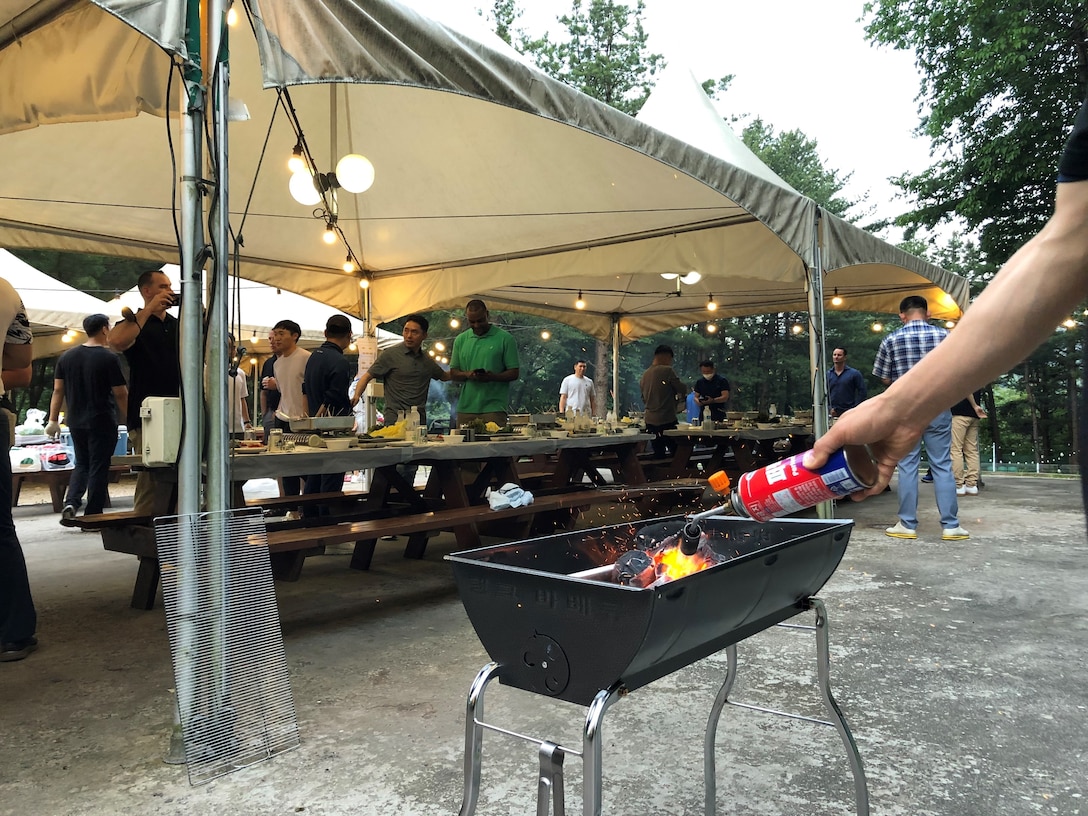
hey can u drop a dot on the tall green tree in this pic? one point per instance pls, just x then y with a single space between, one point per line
1000 83
604 53
796 159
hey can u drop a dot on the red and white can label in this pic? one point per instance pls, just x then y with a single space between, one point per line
788 486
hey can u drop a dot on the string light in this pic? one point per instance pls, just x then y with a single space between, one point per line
797 328
349 265
877 327
836 300
711 306
364 282
455 323
232 17
711 328
545 335
329 236
439 346
253 361
579 304
296 164
1069 323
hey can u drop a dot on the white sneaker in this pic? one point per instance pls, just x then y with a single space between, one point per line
961 490
900 531
971 490
954 534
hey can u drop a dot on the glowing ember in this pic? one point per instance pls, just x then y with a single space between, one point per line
673 564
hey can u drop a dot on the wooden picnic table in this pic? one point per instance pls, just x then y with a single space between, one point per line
734 450
453 499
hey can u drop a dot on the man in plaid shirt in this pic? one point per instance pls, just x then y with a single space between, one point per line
899 353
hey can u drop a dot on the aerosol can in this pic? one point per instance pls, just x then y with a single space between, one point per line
786 487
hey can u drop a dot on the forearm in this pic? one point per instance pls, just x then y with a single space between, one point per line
124 334
562 403
55 403
1031 295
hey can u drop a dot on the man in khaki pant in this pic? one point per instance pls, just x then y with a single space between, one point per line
965 422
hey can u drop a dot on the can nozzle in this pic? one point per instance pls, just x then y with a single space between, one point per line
719 481
689 538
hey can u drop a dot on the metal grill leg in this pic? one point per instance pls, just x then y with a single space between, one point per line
474 737
837 719
710 779
823 673
550 781
592 747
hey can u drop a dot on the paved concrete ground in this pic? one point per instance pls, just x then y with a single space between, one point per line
961 667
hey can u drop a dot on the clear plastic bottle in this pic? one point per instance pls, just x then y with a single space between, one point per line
708 423
411 432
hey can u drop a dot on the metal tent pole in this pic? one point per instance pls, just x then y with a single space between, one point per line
816 346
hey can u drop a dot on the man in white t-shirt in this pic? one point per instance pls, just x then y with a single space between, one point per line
289 368
576 392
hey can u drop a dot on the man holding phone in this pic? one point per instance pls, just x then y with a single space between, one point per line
486 361
149 340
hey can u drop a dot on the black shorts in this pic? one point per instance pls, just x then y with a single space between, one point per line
1073 165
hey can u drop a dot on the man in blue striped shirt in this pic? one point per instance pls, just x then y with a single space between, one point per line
899 353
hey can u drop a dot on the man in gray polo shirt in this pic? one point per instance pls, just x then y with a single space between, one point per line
406 371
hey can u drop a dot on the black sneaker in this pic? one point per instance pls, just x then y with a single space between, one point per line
68 516
18 650
928 477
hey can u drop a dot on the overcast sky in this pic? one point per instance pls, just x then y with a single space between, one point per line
798 64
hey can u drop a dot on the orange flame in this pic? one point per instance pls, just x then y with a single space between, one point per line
673 564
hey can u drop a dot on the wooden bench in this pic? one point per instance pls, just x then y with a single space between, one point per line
290 543
57 480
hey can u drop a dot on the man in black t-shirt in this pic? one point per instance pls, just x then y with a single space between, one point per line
89 379
149 340
711 391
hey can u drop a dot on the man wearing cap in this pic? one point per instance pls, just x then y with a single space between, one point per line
325 383
89 378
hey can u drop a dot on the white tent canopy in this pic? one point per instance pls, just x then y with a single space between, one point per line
56 310
491 176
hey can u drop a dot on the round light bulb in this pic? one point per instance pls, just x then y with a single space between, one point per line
253 361
349 264
878 327
355 173
232 17
302 188
711 328
329 235
545 335
711 306
796 328
836 301
455 323
364 283
579 304
439 346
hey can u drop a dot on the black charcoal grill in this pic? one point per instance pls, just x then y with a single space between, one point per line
555 625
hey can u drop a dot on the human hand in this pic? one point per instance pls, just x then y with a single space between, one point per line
876 423
270 384
52 429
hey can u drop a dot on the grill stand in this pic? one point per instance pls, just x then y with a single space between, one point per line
823 680
550 780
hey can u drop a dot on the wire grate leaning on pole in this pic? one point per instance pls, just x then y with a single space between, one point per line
233 691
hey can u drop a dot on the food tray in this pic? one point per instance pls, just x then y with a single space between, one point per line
335 423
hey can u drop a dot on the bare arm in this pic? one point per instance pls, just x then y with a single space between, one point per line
16 377
1031 295
17 356
56 401
120 394
360 387
563 403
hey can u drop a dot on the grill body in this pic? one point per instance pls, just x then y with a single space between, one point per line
569 638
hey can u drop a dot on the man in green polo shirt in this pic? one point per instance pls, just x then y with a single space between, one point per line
486 361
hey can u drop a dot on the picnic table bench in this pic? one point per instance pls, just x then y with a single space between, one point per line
57 481
290 543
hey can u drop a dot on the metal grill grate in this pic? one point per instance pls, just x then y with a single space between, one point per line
234 695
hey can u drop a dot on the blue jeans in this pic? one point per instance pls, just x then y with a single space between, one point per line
938 441
18 618
93 450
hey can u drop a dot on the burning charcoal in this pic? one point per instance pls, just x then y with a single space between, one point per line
635 568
